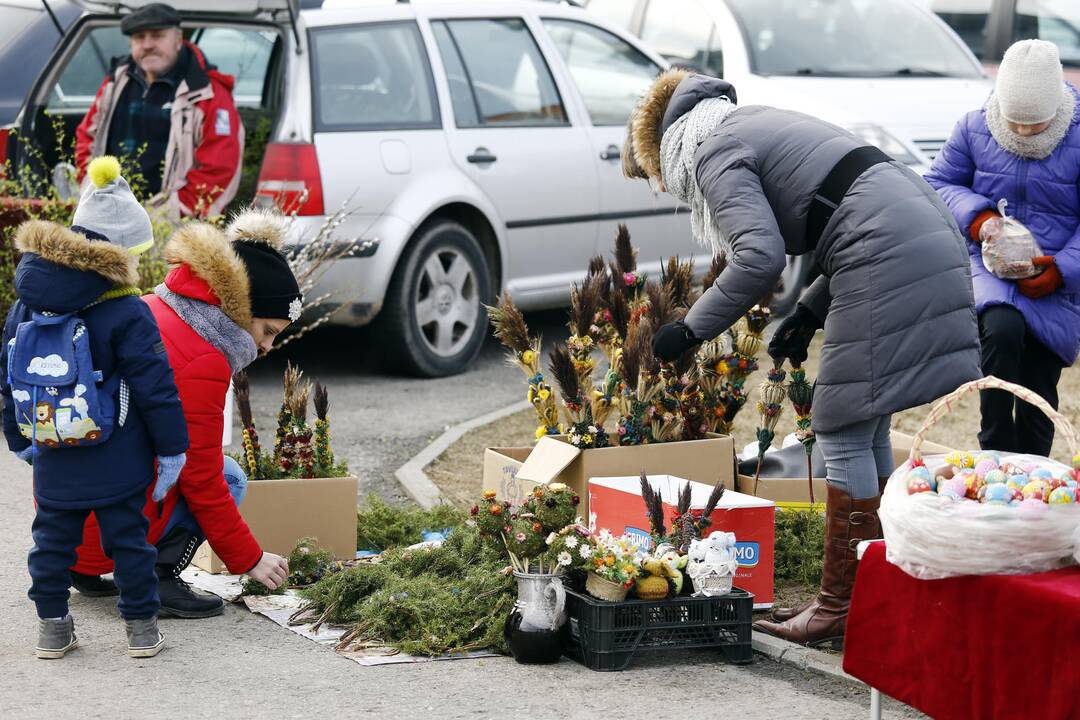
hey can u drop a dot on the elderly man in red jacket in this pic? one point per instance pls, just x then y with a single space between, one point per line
172 112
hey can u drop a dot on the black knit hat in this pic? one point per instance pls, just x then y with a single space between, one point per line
274 291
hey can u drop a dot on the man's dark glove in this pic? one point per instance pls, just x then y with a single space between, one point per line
793 336
672 340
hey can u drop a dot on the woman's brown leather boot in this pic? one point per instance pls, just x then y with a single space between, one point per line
783 614
822 621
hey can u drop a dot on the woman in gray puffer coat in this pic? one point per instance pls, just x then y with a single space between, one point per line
894 297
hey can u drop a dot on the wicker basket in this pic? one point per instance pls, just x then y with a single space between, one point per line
931 537
605 589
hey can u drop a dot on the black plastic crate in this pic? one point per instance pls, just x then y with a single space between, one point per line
605 635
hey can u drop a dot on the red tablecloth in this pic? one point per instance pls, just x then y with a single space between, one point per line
995 646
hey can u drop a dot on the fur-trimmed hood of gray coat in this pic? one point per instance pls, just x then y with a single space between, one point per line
895 290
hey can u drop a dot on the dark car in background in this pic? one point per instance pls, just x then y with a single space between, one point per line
989 27
30 30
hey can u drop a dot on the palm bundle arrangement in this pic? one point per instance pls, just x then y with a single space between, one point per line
300 450
771 394
687 524
524 352
801 394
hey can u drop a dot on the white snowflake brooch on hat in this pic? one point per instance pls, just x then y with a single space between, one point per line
295 308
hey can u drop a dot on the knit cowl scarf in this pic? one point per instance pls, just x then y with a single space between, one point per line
213 326
677 150
1032 147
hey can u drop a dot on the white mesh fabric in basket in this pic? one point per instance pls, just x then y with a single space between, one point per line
930 536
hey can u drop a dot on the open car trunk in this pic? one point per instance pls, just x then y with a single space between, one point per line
243 38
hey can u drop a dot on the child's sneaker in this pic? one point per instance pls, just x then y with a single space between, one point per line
144 639
55 637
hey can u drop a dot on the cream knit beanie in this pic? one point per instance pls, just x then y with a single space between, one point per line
1030 82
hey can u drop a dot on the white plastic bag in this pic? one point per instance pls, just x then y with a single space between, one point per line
930 536
1008 247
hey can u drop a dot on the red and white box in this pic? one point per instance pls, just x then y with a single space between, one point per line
615 504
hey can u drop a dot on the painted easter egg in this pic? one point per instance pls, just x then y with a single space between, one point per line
987 457
1042 473
921 473
1062 496
972 484
1037 490
996 494
995 477
918 485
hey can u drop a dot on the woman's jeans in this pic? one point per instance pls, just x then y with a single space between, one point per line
857 455
182 515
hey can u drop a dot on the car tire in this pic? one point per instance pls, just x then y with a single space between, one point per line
433 316
793 282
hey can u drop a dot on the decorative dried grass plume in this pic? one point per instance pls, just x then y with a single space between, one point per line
509 323
654 505
562 368
661 305
291 380
322 401
242 389
719 263
625 254
298 402
683 506
584 301
619 309
678 280
641 338
598 269
714 499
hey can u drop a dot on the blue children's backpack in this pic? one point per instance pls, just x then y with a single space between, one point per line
60 399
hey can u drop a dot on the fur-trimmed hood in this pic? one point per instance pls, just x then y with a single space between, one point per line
69 249
205 260
62 271
674 93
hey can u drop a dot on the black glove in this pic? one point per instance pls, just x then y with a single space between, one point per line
672 340
793 336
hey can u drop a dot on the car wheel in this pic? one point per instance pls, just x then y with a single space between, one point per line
434 310
792 283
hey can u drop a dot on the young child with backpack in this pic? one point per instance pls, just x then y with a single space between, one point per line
90 403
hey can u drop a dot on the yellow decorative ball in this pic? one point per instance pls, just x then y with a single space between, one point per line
103 170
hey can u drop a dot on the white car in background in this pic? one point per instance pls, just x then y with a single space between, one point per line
891 71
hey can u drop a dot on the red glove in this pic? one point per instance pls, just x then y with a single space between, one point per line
977 223
1044 283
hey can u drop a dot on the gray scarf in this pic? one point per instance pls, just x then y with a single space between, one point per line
1033 147
214 326
677 150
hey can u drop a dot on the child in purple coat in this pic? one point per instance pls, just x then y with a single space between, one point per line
1023 146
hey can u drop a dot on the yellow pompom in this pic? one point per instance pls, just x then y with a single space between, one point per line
103 170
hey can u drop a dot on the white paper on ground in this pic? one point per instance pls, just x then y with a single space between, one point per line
279 608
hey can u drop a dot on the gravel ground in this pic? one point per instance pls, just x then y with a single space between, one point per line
241 665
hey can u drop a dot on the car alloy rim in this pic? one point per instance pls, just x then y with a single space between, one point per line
447 301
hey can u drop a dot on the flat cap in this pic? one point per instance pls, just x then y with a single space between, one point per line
154 16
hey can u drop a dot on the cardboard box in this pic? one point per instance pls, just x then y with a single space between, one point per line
617 506
280 512
901 445
794 493
514 472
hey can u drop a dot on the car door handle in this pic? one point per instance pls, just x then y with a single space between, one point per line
481 156
611 152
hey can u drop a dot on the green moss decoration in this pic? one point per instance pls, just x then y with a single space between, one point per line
800 543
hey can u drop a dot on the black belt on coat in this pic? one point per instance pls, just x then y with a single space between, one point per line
835 187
